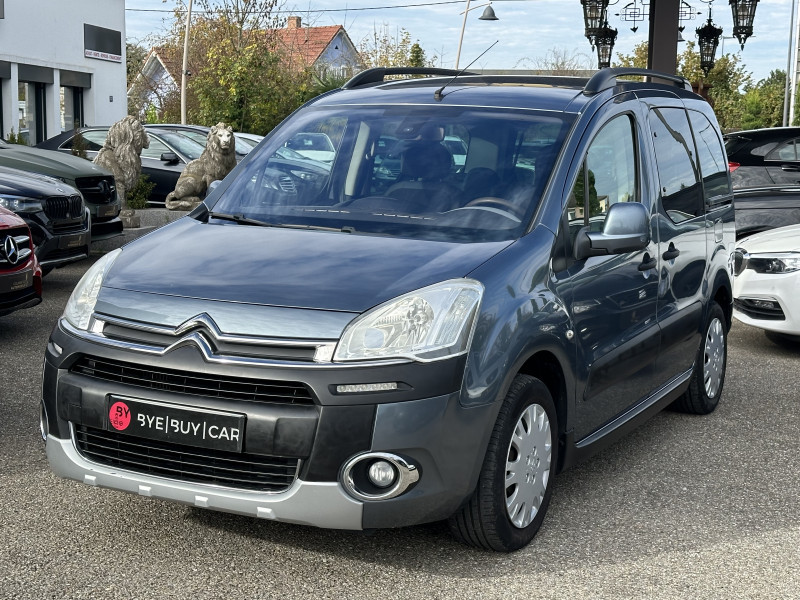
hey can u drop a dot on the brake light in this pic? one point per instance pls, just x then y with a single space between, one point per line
732 166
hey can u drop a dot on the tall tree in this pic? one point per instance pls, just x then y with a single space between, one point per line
382 48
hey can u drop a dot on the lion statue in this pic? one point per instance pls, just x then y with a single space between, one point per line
121 152
216 161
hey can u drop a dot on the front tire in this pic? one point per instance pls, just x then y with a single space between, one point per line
708 378
515 484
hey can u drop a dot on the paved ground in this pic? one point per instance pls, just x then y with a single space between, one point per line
686 507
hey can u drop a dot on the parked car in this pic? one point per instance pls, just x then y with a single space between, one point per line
245 142
767 282
95 184
55 213
763 157
317 146
763 208
314 348
163 161
20 273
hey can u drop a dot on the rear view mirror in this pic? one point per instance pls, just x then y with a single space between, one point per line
626 229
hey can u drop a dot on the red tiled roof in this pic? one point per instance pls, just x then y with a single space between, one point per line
306 44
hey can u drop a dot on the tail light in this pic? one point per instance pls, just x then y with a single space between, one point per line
732 166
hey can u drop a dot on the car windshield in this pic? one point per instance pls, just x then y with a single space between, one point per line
188 147
442 173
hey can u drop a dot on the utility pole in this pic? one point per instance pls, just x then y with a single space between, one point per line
184 72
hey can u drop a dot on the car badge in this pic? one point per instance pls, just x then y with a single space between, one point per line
11 249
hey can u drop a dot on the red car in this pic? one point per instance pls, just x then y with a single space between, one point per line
20 273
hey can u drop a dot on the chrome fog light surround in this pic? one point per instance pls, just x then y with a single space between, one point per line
43 424
356 479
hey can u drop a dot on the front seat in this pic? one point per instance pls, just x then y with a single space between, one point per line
424 168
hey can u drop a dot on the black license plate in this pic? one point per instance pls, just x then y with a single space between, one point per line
16 282
213 429
72 241
106 211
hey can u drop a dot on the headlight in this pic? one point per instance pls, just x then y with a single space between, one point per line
80 305
20 204
433 323
782 262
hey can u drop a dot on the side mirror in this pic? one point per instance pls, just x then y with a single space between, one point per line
170 158
626 229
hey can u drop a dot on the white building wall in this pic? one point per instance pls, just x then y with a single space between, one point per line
50 34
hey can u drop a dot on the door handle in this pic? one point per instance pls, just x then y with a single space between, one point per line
793 168
647 263
672 252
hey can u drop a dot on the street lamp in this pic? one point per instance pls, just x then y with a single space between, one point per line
604 40
594 15
743 11
708 39
488 15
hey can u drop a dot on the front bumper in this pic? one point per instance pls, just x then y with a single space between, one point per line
55 248
433 431
755 292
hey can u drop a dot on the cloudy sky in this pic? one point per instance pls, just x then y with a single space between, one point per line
527 29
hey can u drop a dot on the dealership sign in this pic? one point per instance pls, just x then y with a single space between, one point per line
102 55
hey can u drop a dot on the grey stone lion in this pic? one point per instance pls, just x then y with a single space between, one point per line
121 152
216 161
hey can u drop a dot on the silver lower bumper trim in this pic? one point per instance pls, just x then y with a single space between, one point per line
307 503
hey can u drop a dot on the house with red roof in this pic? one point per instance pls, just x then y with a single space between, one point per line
327 50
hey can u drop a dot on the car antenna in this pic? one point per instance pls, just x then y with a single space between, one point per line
438 95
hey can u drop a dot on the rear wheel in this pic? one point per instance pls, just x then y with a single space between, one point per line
515 484
705 387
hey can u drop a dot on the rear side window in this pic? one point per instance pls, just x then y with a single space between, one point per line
681 195
711 155
786 151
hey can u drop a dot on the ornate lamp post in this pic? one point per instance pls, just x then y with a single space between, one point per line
604 40
488 15
744 11
708 39
594 15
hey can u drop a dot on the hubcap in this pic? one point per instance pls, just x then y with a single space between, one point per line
528 465
714 358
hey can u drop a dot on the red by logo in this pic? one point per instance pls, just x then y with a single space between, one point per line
119 416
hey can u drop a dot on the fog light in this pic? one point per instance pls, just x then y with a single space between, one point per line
364 388
767 304
382 474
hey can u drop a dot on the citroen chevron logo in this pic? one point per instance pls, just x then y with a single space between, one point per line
11 249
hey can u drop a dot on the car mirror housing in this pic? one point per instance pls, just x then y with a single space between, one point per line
170 158
626 229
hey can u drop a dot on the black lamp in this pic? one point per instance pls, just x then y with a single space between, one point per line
604 40
708 39
594 15
744 11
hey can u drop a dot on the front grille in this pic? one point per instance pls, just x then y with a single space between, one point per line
61 228
186 463
196 384
755 309
22 246
739 262
64 207
97 190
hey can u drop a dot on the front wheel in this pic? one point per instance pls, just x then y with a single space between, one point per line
515 484
708 378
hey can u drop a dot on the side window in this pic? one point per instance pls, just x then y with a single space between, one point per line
785 151
608 175
711 154
155 150
94 141
677 171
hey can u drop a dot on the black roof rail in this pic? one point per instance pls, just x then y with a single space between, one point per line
378 74
607 78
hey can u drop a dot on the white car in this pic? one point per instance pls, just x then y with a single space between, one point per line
767 282
317 146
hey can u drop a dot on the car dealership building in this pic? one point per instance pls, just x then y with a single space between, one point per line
62 64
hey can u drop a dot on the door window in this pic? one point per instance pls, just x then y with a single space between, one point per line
785 151
681 195
712 158
155 149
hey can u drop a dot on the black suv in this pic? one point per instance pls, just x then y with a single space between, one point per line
361 347
55 212
764 157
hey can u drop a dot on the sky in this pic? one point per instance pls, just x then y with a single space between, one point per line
527 30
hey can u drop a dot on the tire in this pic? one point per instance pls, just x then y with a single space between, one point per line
708 378
505 517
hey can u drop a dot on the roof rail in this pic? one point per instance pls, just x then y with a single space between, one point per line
607 78
378 74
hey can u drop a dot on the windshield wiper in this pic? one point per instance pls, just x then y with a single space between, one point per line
241 219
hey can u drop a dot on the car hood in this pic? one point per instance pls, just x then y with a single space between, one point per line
288 268
783 239
16 182
9 219
48 162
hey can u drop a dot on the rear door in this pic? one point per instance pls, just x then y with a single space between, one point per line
682 229
783 163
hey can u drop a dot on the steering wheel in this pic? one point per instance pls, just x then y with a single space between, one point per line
507 205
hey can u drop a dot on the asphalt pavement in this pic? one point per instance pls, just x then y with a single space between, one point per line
685 507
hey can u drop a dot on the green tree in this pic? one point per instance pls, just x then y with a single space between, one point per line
382 48
134 60
416 56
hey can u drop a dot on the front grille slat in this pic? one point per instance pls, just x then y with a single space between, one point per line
186 463
196 384
63 207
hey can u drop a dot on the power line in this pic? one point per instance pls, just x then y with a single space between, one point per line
320 10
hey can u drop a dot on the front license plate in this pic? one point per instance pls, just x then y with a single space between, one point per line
106 211
72 241
213 429
18 281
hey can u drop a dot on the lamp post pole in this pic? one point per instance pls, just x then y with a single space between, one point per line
461 37
791 54
185 63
